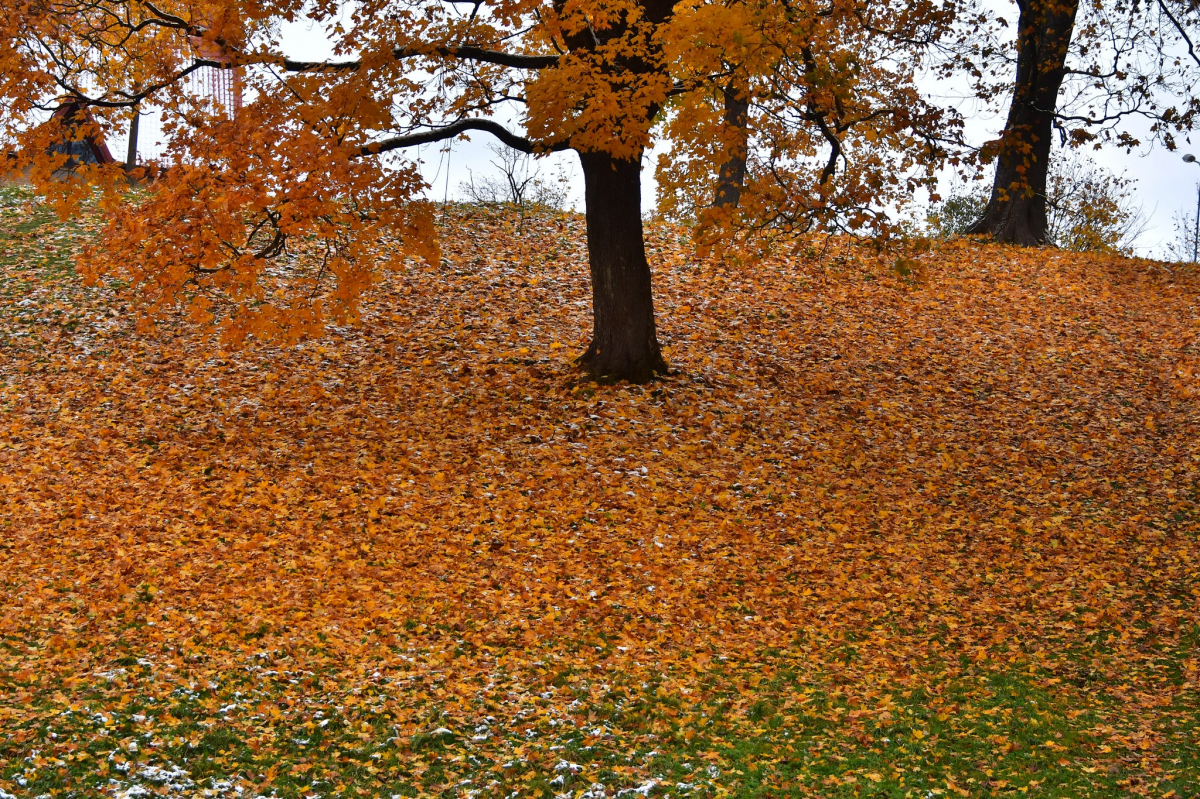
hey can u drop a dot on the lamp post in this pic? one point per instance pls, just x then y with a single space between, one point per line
1191 159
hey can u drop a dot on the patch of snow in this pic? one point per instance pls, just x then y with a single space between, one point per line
641 790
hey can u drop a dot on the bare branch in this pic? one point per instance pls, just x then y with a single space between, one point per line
464 52
1179 29
457 128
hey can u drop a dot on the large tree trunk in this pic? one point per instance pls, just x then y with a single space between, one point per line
1016 211
732 175
624 342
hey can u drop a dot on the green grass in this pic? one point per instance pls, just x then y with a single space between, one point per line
38 283
32 235
1018 731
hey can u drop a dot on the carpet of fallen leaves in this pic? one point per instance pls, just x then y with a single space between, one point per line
860 493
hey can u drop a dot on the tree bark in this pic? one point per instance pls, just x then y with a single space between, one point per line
732 176
624 341
1016 211
131 152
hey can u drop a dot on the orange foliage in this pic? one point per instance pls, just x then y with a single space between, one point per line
998 461
315 154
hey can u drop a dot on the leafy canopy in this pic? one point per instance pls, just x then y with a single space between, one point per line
314 160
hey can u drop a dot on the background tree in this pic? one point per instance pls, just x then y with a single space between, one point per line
817 125
1088 72
1089 209
1182 248
518 184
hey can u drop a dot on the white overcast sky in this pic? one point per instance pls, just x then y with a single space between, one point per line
1165 185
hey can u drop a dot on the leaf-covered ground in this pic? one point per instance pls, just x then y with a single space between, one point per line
920 535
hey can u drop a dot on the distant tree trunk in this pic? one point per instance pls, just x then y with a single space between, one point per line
1016 211
131 152
624 341
732 176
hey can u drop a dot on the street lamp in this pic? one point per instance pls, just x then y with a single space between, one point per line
1191 159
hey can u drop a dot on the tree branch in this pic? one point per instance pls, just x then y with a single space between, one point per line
1179 28
464 52
135 98
502 133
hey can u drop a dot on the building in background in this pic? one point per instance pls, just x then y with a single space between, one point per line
88 148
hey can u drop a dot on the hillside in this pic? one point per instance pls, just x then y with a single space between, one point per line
880 535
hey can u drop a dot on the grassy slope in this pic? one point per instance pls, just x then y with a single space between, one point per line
881 535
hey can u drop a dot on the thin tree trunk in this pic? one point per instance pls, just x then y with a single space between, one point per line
132 151
624 341
732 176
1016 211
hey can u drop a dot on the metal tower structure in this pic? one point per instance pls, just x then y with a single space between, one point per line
222 84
